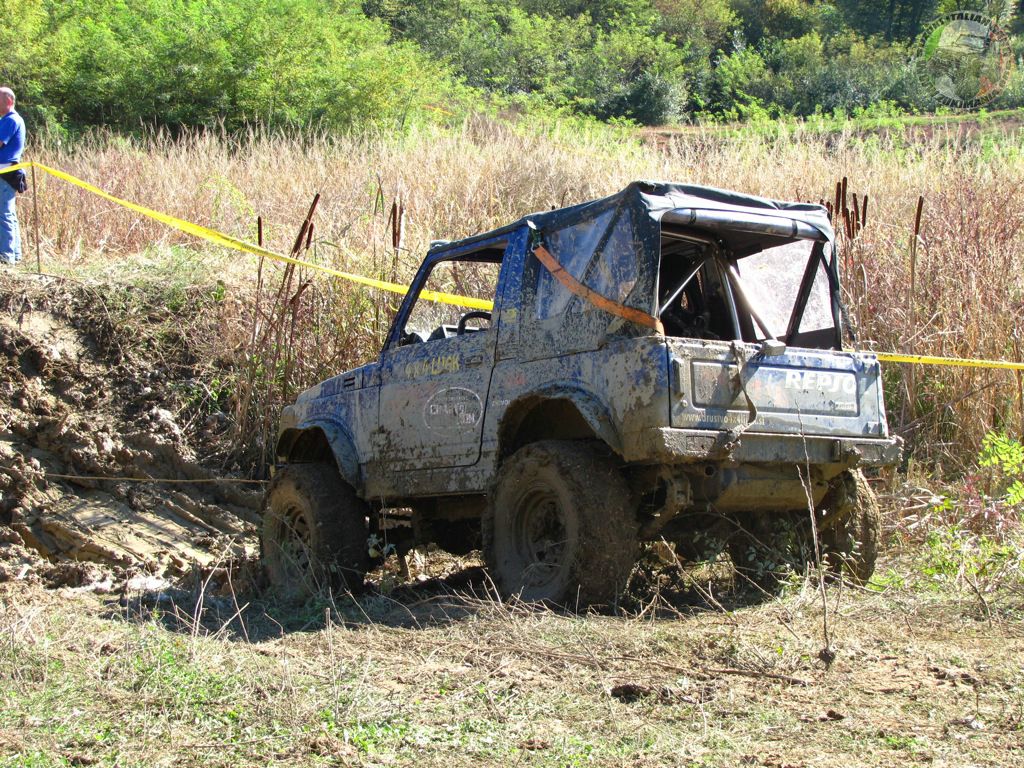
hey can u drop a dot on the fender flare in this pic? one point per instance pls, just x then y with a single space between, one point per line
587 404
339 441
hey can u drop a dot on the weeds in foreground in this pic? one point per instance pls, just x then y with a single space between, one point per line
985 504
959 557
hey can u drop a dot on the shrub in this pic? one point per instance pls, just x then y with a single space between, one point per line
207 62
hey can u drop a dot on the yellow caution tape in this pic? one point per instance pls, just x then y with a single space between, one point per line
228 241
961 362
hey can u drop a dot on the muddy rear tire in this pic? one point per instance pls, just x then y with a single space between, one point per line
559 525
851 526
314 532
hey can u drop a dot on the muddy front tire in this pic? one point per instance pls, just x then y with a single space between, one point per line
559 525
314 532
851 526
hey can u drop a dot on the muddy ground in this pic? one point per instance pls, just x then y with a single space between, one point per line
101 482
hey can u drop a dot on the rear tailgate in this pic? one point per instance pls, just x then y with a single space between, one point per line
803 391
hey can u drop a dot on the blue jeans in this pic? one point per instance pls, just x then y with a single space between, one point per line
10 232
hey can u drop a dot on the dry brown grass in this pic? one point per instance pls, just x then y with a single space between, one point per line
928 661
967 294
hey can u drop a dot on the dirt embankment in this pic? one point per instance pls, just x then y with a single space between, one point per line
99 482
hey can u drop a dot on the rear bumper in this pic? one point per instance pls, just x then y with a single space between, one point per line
684 446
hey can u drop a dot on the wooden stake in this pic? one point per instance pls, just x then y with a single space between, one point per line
35 221
911 318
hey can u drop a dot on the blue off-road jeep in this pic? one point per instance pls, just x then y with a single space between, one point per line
664 363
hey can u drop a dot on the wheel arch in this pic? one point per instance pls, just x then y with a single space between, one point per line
321 441
556 413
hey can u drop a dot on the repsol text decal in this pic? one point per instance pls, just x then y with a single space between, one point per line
821 381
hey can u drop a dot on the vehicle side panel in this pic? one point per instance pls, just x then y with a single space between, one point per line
620 389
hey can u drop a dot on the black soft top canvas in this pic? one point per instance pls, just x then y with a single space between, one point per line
660 196
651 200
613 245
744 223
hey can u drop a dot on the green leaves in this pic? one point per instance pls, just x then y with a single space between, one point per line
1003 452
1006 456
177 63
341 65
608 59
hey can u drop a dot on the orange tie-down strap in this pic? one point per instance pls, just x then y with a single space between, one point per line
601 302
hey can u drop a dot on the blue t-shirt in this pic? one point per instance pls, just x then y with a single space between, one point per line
12 134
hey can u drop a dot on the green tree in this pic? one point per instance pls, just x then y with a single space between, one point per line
193 63
742 84
894 19
606 14
765 20
699 30
604 59
845 72
628 73
27 65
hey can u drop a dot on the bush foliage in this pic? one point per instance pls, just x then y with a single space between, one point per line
174 63
342 65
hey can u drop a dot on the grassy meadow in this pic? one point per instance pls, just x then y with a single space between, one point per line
924 667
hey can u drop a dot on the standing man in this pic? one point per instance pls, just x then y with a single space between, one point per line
12 142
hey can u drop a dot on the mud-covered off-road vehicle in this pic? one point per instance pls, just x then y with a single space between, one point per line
664 363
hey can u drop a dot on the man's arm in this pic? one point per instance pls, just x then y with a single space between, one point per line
7 129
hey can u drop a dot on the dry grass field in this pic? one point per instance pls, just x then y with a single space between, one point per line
917 670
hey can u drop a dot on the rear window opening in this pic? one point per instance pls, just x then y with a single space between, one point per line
782 291
692 300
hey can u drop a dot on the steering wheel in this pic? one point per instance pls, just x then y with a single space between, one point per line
476 314
411 337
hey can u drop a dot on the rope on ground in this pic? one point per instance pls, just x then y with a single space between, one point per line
155 479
